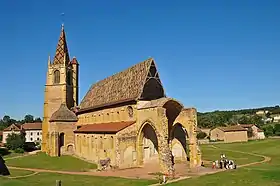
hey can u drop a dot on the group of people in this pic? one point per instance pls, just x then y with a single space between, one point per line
223 163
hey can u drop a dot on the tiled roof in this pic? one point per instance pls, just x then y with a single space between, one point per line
61 53
124 86
63 114
32 126
232 128
104 127
14 127
246 125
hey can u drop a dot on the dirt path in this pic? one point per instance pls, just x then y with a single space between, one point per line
265 159
118 173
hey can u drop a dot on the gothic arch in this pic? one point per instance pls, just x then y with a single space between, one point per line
179 141
147 140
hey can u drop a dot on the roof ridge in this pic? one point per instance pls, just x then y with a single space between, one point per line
109 84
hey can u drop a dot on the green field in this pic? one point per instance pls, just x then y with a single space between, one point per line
267 174
42 161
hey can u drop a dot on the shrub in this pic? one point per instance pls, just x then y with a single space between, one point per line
15 141
4 151
29 146
277 129
19 150
201 135
269 130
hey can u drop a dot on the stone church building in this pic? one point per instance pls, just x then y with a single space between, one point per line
125 117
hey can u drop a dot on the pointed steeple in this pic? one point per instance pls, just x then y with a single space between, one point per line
61 54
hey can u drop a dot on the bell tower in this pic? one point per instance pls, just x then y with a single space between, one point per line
61 85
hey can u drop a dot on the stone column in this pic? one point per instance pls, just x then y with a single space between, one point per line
165 154
56 144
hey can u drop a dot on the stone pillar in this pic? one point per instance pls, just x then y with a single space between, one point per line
165 154
56 144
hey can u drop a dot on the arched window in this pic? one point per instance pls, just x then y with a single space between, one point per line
56 77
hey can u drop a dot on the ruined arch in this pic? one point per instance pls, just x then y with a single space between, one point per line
172 110
179 142
148 146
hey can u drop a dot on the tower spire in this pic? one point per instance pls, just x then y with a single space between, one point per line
61 54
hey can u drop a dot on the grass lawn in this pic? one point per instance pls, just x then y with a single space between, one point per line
42 161
267 174
209 153
49 179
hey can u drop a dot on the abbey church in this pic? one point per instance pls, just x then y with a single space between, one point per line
125 117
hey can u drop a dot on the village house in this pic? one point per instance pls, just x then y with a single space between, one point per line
229 134
126 117
253 131
33 132
13 128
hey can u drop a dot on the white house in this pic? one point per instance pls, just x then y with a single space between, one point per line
33 131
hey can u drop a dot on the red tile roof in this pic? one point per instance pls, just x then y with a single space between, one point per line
104 127
32 126
233 128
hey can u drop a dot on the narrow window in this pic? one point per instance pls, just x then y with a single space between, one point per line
56 77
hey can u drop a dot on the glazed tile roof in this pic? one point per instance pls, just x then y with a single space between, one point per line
232 128
113 127
61 53
124 86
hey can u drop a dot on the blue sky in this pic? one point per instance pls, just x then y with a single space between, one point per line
210 54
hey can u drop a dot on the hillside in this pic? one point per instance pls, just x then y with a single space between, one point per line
243 116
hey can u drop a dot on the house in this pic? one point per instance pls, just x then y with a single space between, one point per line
257 133
13 128
276 118
262 112
33 132
126 117
229 134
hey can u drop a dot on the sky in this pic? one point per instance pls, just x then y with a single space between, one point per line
211 55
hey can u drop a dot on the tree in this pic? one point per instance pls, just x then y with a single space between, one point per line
250 132
201 135
277 129
15 141
28 118
268 131
37 120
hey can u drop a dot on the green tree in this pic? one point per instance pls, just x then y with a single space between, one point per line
269 130
15 141
28 118
277 129
37 120
201 135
